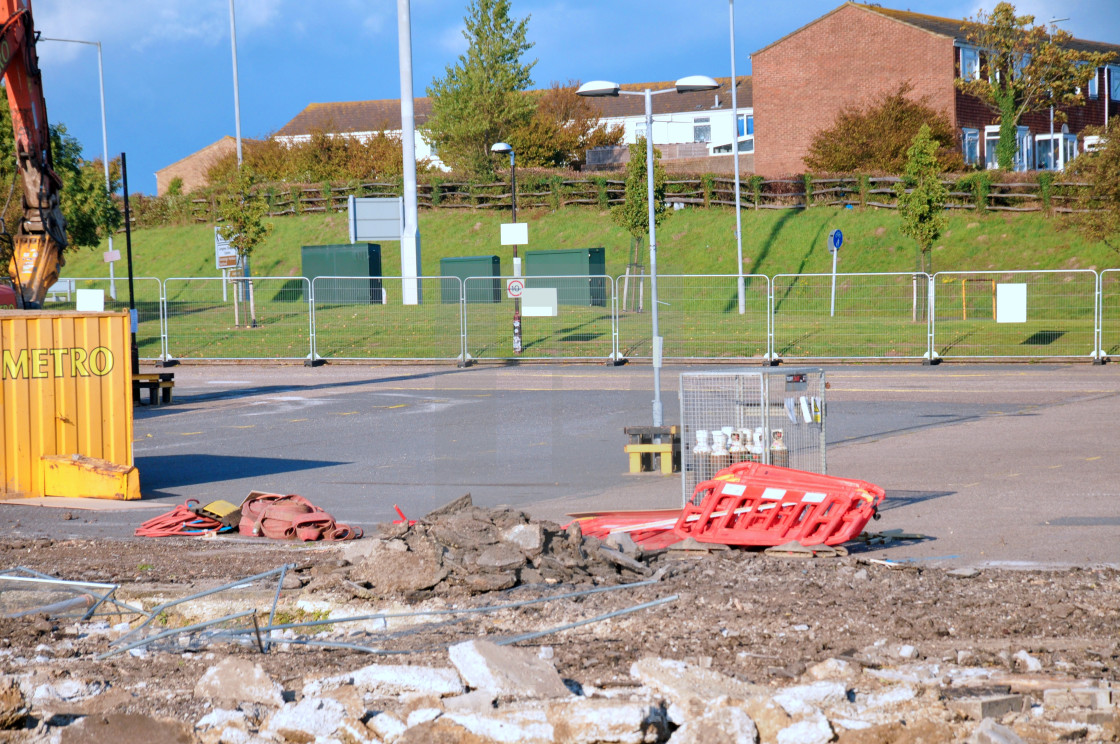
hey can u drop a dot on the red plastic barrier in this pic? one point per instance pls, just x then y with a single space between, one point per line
751 504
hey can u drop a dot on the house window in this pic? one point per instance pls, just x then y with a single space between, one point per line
1053 152
970 63
1113 73
701 129
1024 154
991 139
970 143
746 125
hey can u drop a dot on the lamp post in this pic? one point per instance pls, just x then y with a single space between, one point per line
735 145
236 99
501 148
104 144
599 88
1052 158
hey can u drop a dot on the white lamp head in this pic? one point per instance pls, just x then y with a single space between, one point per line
501 148
598 88
694 83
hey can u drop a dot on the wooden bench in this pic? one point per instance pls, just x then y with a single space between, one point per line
158 384
642 448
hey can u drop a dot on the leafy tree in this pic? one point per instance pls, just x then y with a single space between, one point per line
633 213
876 138
241 211
561 130
922 197
480 99
1097 213
1024 68
90 212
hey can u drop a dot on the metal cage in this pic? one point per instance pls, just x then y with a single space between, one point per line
775 416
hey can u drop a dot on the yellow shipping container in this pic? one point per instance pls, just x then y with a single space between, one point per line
65 389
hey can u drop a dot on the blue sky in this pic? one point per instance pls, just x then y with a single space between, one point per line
168 63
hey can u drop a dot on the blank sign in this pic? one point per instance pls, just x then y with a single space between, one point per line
1011 303
539 303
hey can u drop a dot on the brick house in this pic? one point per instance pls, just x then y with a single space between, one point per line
857 52
192 169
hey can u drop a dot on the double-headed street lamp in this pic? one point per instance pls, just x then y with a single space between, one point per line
501 148
691 84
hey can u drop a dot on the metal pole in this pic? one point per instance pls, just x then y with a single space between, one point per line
657 341
735 145
410 231
517 272
832 306
131 295
236 100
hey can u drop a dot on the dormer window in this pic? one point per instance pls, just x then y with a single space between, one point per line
970 63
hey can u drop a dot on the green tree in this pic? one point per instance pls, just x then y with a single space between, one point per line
480 100
241 210
90 211
1024 68
875 138
922 197
633 214
1097 205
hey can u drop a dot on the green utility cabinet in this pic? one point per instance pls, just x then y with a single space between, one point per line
588 263
347 259
480 290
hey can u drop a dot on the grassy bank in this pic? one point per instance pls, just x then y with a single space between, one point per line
692 241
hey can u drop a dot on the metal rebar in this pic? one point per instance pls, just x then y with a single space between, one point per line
174 631
275 600
578 623
82 600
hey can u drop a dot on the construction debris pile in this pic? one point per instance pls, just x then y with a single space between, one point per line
465 548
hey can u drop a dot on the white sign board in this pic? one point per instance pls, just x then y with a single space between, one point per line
90 300
225 255
374 218
515 288
539 303
111 256
515 233
1011 303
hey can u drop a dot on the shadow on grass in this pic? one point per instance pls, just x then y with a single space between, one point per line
1042 338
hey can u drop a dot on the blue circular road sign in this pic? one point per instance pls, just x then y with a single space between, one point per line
837 238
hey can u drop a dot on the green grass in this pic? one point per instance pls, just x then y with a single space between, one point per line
875 316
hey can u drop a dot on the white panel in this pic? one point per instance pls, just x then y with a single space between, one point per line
773 493
376 218
813 498
733 489
539 303
91 300
515 233
1011 303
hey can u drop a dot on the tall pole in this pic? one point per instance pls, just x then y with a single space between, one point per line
410 231
128 243
517 347
657 341
735 145
236 99
104 145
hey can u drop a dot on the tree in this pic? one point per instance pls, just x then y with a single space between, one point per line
1097 207
241 212
633 213
562 129
90 212
481 99
922 197
875 138
1024 68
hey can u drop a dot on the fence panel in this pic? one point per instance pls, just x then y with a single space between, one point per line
147 291
855 316
1110 312
581 329
1019 314
698 316
364 318
258 318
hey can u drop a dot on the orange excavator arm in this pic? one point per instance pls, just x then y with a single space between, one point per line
41 236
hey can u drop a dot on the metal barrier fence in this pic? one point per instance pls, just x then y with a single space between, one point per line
1018 314
1108 313
365 318
566 317
148 296
977 314
698 316
850 316
257 318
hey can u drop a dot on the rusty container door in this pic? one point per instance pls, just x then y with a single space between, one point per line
65 389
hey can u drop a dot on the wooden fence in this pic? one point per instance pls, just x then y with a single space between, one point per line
705 191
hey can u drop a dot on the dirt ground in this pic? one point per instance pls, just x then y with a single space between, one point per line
754 617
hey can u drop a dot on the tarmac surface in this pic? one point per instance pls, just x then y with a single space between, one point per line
1004 465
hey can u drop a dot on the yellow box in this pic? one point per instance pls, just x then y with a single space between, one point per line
65 389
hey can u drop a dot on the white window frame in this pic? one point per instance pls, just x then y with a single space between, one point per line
1024 154
973 134
971 71
1113 78
699 123
1065 141
991 139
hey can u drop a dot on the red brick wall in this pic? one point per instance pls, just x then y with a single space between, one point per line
848 57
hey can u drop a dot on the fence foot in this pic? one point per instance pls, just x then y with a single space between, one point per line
316 362
167 363
927 362
616 361
1100 361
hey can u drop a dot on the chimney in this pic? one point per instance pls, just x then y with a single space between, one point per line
717 102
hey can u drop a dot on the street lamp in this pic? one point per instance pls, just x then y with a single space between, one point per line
735 150
501 148
104 144
1053 160
690 84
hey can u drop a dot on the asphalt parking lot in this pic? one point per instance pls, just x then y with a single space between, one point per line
1000 464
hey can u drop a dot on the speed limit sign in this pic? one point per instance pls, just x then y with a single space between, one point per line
515 288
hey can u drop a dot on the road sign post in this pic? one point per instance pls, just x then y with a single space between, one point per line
835 240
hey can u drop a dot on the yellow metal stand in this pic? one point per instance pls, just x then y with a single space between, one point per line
89 477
